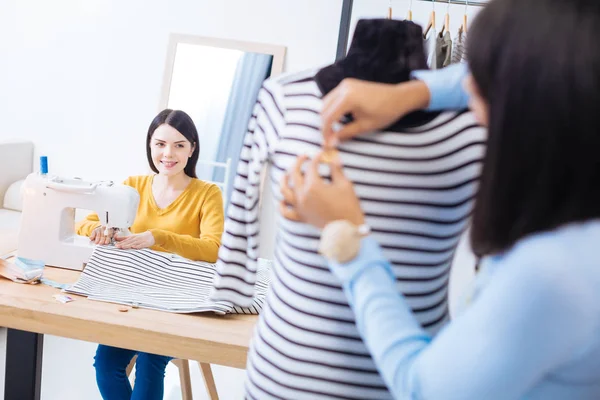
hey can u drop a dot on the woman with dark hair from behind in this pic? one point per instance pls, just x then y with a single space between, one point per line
178 213
530 328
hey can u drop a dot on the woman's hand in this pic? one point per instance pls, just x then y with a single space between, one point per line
372 105
99 237
316 202
138 241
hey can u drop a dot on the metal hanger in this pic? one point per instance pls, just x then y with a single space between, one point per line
390 10
409 16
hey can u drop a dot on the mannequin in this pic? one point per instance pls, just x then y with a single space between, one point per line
384 51
416 181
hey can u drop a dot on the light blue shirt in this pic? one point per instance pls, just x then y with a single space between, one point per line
531 329
446 87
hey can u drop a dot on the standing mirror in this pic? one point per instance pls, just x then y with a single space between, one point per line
216 81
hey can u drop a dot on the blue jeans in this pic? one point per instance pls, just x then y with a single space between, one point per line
111 363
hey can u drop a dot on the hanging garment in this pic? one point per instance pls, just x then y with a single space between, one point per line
443 49
459 48
416 182
431 45
158 281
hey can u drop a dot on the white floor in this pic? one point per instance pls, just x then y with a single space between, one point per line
68 373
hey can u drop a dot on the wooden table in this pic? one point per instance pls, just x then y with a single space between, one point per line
221 340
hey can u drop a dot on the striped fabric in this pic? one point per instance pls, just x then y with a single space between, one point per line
459 50
417 189
157 281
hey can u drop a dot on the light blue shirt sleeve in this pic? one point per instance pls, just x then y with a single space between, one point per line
522 325
446 87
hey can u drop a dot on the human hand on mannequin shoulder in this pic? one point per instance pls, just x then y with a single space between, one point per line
137 241
372 105
314 201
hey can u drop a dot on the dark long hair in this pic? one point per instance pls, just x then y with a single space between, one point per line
184 124
537 64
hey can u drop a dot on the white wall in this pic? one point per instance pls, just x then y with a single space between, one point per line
82 80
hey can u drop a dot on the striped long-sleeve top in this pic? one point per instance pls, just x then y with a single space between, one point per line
417 190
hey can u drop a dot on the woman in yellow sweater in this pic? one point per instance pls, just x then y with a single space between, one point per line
178 213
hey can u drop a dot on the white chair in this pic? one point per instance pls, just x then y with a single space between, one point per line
16 162
226 176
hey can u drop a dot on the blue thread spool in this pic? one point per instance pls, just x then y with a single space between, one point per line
43 165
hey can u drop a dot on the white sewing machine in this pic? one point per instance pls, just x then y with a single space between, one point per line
48 221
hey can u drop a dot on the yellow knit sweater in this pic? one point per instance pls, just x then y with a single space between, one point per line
190 226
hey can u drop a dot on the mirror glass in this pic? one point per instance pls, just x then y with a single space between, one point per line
217 82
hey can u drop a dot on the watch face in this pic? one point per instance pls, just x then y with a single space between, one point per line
340 241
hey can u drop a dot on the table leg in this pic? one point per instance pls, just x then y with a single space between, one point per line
23 378
209 381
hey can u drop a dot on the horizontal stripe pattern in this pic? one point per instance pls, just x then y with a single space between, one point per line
417 189
158 281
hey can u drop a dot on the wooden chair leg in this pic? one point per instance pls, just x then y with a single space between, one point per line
184 378
130 368
209 381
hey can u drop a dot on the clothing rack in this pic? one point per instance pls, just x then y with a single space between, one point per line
347 18
477 3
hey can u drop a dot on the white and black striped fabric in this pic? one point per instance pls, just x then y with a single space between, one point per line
417 188
159 281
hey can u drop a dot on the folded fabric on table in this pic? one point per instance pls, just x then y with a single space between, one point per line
159 281
21 270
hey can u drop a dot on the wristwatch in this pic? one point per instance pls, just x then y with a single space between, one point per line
340 240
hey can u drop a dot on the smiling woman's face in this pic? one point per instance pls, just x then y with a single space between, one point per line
170 150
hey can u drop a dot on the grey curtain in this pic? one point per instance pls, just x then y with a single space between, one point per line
251 71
